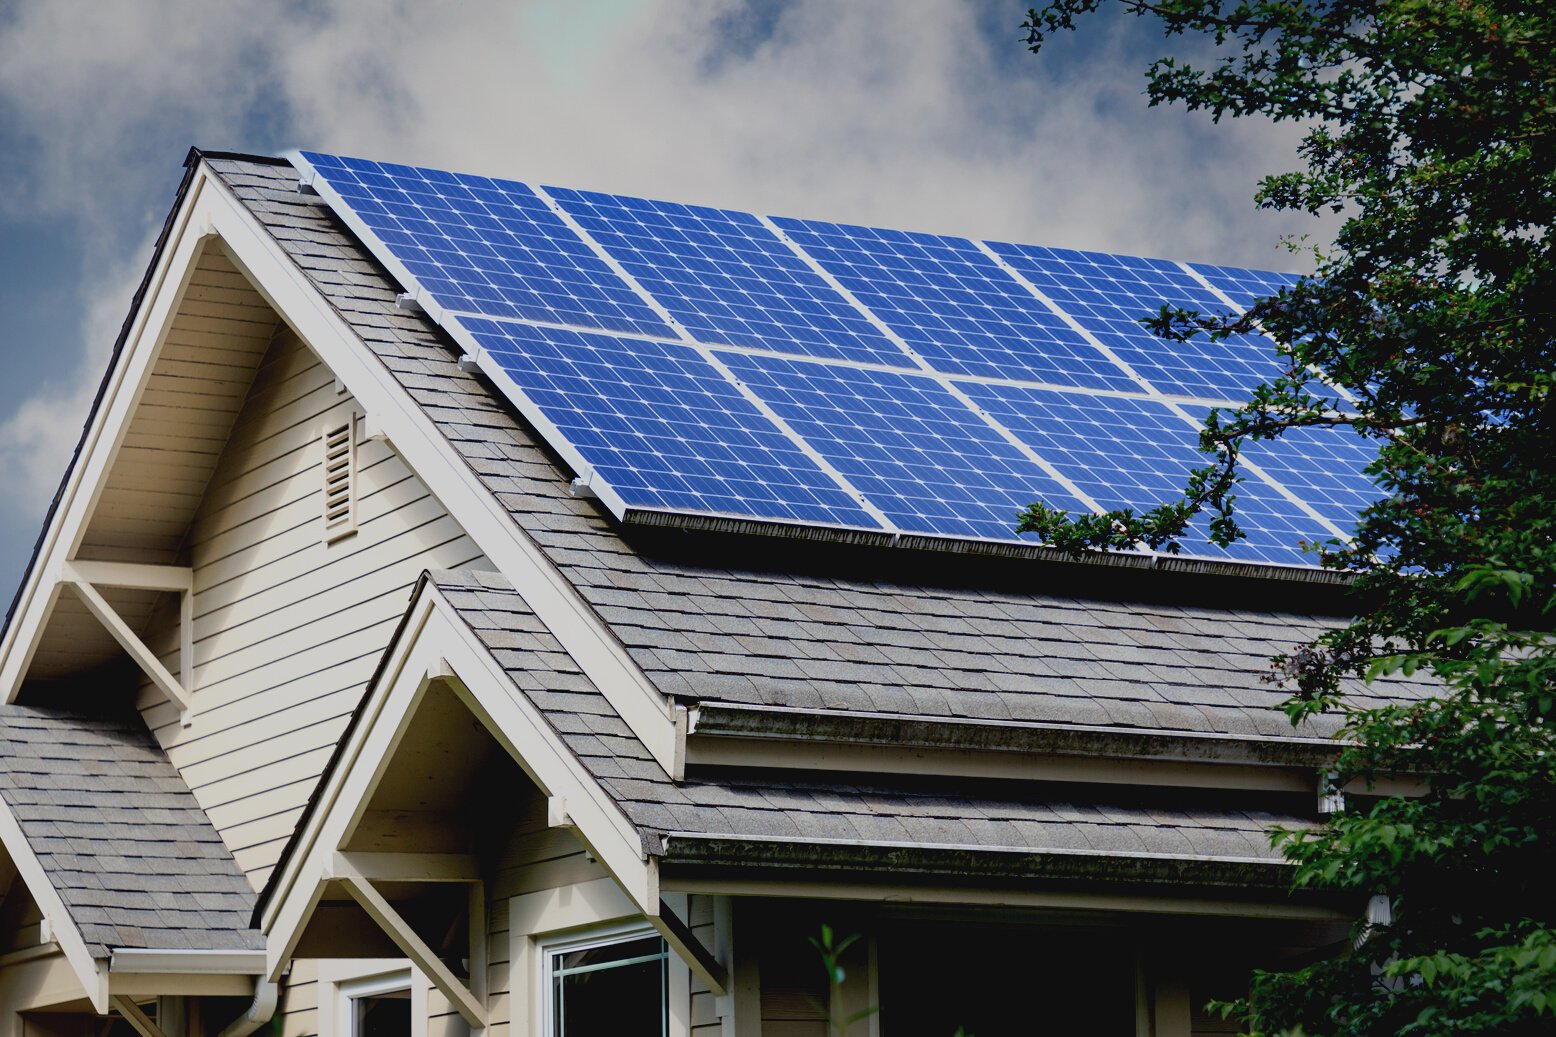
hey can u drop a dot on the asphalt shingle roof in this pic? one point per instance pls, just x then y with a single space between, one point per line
800 810
736 634
129 851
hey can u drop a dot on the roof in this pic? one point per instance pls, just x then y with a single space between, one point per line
123 841
739 818
861 629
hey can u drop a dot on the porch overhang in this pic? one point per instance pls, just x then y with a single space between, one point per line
434 648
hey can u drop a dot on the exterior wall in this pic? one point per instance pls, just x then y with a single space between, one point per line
288 630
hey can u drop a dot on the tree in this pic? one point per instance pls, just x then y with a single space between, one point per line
1430 127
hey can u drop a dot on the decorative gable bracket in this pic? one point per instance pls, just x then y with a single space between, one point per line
84 577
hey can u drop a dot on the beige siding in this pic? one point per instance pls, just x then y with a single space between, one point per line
297 1015
705 1021
288 630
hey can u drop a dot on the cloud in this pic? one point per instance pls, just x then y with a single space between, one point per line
918 114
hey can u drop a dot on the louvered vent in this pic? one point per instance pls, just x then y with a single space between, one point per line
340 480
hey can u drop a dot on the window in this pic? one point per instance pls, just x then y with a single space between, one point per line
607 986
376 1006
340 480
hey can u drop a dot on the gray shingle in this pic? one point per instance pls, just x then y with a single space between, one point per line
129 851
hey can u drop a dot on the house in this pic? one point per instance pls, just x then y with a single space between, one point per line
366 683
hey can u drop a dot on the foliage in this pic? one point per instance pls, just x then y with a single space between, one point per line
831 951
1428 127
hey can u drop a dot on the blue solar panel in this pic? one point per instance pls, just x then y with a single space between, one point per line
1242 286
728 279
1324 467
955 306
1131 453
662 426
492 247
1109 295
912 448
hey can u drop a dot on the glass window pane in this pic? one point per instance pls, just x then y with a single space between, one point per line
615 990
382 1015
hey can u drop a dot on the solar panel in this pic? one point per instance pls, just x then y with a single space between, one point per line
729 279
1322 466
955 306
1110 295
1242 286
1137 453
847 376
915 450
478 245
662 426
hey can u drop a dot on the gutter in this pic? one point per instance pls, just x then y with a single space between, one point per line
267 994
818 858
187 962
782 723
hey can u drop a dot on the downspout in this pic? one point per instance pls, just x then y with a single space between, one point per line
266 995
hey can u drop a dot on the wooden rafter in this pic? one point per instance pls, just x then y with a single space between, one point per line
84 577
408 941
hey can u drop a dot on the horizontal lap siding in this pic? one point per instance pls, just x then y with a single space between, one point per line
532 857
288 630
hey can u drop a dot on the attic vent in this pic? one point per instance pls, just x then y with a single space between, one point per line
340 480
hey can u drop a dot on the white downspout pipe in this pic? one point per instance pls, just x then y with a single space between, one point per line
266 995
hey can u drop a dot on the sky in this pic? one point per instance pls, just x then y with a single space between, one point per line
915 114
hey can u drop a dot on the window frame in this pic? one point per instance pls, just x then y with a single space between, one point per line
550 946
343 981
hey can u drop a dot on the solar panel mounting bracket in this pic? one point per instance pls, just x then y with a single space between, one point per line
580 487
408 302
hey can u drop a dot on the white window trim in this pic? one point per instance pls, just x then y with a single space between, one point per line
547 946
342 981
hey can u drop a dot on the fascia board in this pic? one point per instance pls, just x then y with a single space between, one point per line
436 644
89 970
125 383
553 598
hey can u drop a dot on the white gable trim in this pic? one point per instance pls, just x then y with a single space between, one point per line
90 971
210 211
125 381
436 645
544 588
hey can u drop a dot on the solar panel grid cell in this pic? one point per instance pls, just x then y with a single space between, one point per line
1109 295
954 306
1132 453
662 426
1322 466
728 279
493 247
1241 285
910 446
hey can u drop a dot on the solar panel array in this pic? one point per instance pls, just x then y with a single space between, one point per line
702 361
